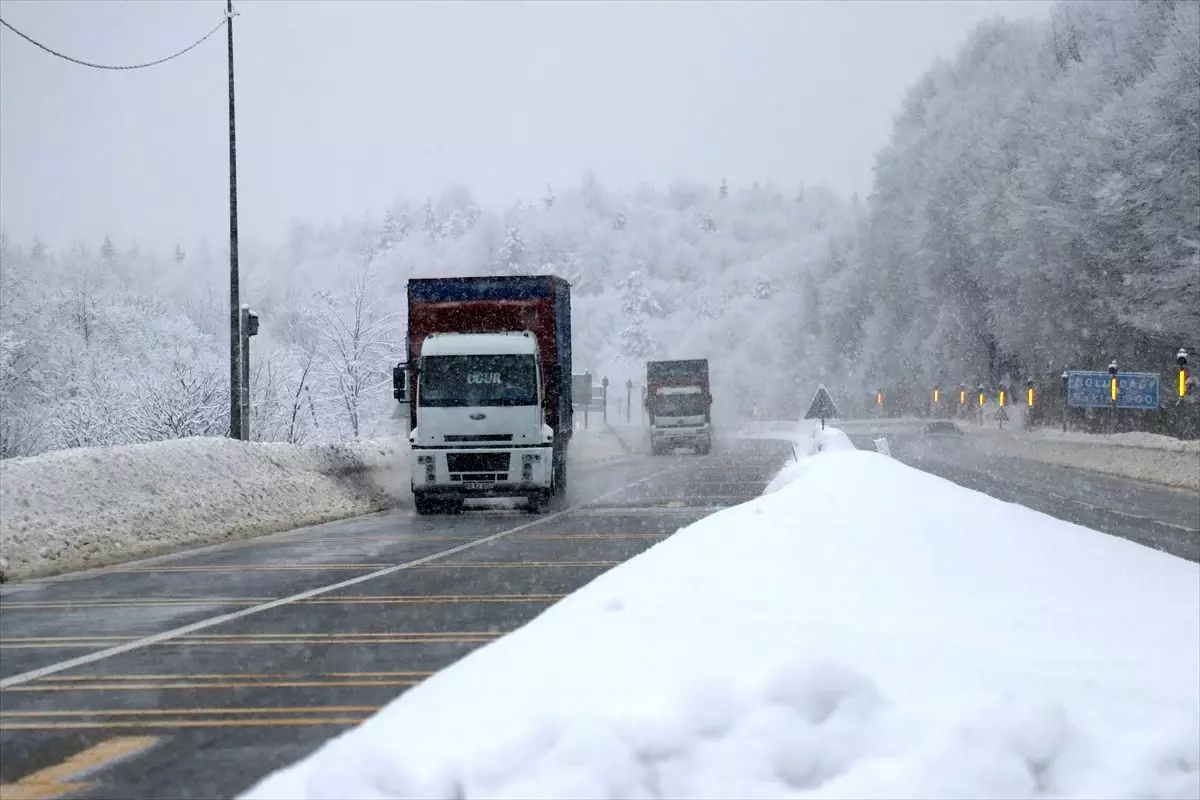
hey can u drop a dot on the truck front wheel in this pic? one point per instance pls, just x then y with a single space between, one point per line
426 505
537 501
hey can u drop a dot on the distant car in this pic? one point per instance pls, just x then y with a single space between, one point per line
943 428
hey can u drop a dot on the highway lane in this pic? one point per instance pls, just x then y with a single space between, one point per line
207 713
1155 516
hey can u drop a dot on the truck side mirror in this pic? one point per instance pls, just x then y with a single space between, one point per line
400 383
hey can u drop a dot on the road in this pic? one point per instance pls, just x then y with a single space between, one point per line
1155 516
206 712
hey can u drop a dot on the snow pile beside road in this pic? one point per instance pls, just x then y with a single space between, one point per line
866 630
598 445
1152 441
1123 455
634 439
88 507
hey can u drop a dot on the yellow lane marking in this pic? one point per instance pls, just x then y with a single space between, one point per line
237 636
237 675
264 639
675 504
6 727
513 564
162 712
146 687
67 605
53 781
533 537
481 638
312 567
250 568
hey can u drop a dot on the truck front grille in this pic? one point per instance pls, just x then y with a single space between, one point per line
478 437
477 462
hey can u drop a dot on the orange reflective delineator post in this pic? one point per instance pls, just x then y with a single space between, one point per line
1112 389
1181 360
937 395
1029 396
962 397
879 399
1002 398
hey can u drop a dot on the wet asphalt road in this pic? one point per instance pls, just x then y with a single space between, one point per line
1155 516
207 713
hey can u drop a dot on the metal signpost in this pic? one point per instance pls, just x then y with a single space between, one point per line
581 393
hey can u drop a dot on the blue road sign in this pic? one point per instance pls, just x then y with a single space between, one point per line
1138 390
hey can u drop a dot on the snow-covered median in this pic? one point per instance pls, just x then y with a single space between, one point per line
863 630
88 507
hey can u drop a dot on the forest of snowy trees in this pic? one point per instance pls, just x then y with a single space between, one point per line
1038 206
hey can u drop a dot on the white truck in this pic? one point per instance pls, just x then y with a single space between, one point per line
487 384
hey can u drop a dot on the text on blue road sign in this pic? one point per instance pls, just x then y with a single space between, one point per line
1136 390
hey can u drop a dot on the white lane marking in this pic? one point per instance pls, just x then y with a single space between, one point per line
100 655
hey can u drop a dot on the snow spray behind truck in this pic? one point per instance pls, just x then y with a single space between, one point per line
487 383
679 404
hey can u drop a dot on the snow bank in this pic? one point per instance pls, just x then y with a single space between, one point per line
1141 456
1154 441
865 630
634 439
829 440
598 445
88 507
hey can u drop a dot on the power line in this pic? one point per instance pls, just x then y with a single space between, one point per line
53 52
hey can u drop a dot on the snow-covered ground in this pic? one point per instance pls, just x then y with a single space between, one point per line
88 507
862 630
1141 456
596 445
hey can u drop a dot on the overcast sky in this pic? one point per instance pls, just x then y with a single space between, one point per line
344 106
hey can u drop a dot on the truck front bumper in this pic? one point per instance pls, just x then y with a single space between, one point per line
472 472
681 437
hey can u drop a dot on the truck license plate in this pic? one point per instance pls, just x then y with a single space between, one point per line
476 485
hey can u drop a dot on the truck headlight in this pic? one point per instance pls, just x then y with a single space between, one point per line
427 462
527 462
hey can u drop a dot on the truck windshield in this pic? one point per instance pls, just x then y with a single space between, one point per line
679 405
478 380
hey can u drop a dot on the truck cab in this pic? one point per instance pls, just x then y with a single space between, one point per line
480 427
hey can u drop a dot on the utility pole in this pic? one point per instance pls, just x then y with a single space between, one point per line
235 334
